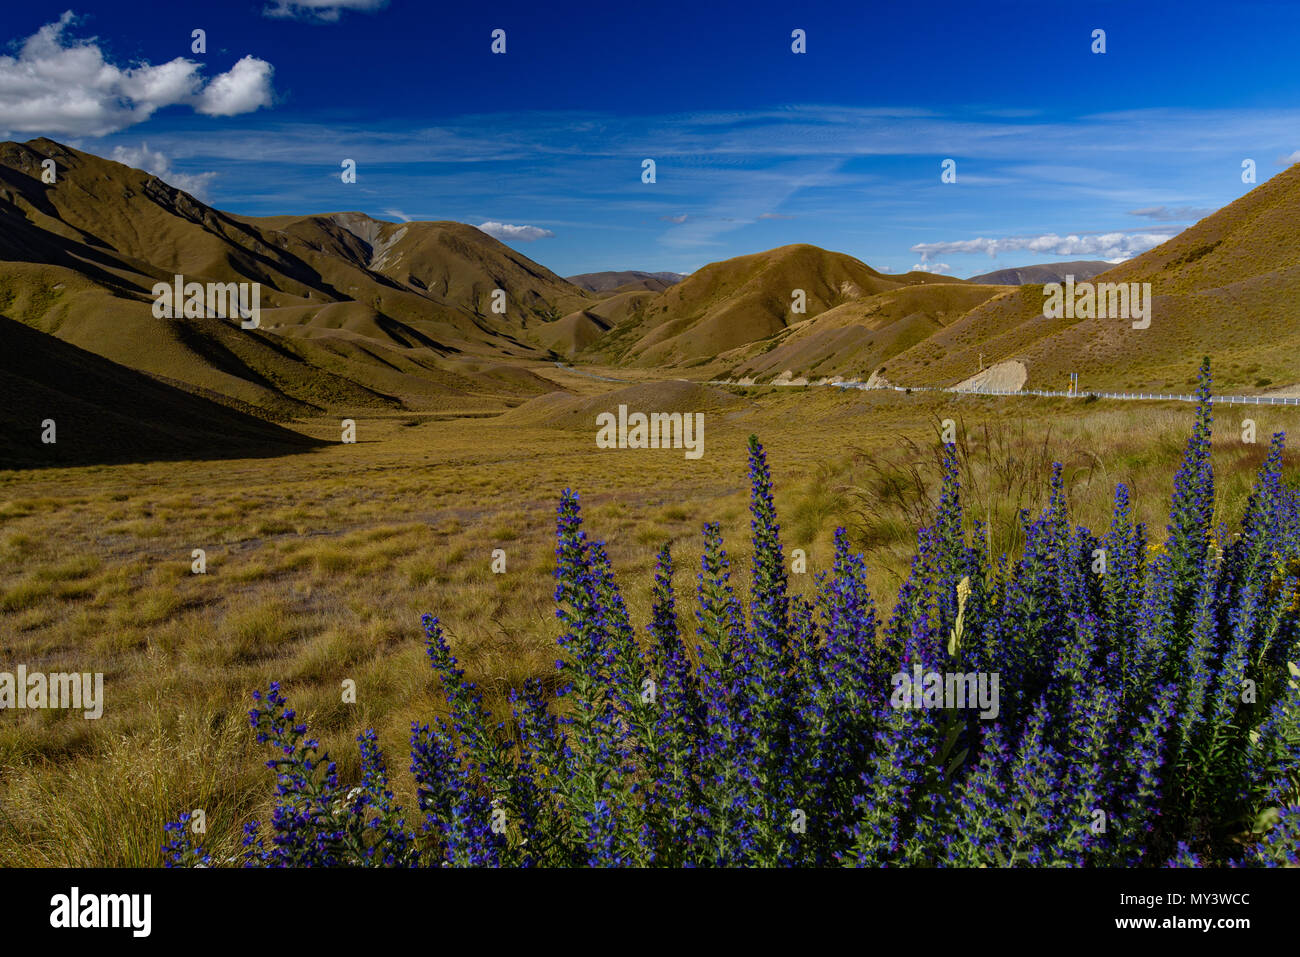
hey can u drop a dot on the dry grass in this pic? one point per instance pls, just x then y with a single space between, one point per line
319 566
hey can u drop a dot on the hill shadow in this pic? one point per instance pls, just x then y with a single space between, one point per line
105 413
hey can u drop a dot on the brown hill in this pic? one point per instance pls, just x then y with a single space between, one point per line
586 328
854 339
355 313
358 313
451 264
574 333
727 304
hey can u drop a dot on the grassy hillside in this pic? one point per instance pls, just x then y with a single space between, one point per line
854 339
361 314
356 313
727 304
1228 287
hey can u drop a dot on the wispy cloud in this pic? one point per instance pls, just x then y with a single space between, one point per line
931 267
680 218
1171 214
694 145
741 197
507 232
153 161
323 11
61 85
1117 246
397 214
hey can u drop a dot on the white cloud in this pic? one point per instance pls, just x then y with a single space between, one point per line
167 83
773 216
508 233
674 219
151 161
931 267
322 10
397 214
1108 246
58 84
1166 214
243 88
1288 160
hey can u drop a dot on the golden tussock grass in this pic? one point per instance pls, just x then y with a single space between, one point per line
319 566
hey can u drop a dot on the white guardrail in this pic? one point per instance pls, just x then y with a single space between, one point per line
1082 394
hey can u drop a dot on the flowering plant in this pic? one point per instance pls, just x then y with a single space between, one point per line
1148 712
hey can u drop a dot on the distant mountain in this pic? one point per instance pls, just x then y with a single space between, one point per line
1082 270
626 281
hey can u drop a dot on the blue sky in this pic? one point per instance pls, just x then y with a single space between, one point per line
1061 153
